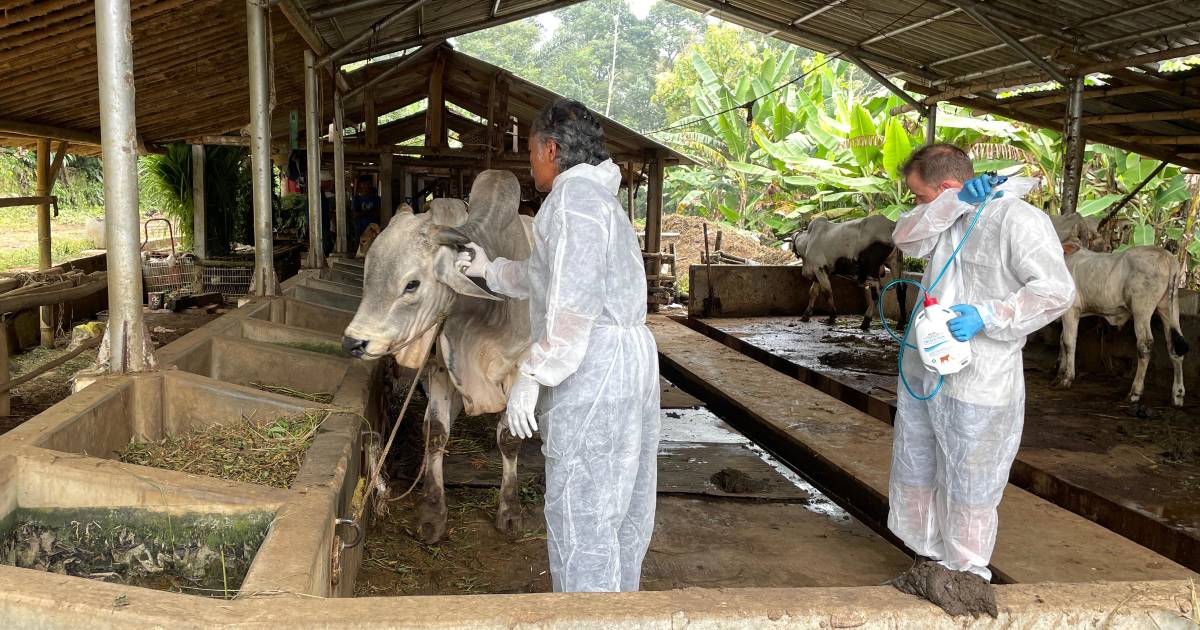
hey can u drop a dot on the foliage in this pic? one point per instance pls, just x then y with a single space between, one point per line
167 178
61 249
291 213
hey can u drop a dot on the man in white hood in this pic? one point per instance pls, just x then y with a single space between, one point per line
592 371
952 451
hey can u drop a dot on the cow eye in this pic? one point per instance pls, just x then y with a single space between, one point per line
412 286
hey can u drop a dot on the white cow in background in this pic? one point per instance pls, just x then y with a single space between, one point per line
861 249
1133 284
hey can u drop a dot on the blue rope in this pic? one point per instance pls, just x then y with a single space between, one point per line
920 303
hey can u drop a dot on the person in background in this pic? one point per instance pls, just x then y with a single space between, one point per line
952 452
365 208
592 370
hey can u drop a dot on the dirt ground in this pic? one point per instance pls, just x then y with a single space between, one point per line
44 391
701 538
690 244
1144 457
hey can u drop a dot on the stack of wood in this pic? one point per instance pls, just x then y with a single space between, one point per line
719 257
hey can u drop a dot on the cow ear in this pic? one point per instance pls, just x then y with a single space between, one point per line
446 270
1070 247
449 237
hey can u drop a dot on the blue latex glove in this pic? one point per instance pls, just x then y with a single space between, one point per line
976 189
967 324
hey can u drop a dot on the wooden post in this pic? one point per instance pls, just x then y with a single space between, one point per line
499 129
199 234
387 202
370 117
435 118
1074 143
341 220
930 125
654 194
406 190
43 225
5 398
631 191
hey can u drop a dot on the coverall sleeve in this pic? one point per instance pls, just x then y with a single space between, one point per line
508 277
917 231
576 242
1047 291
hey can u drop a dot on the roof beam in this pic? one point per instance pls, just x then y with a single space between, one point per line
299 19
815 12
908 27
763 23
403 63
970 8
339 8
370 32
1089 22
395 45
891 87
1137 117
39 130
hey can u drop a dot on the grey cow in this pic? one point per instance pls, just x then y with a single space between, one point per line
411 284
859 248
1135 283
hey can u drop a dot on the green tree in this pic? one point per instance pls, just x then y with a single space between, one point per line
512 46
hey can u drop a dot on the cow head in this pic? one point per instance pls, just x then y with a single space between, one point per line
410 280
369 235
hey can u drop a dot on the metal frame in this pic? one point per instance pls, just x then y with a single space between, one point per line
265 281
969 7
312 133
370 32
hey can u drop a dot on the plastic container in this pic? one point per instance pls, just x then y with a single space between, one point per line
939 350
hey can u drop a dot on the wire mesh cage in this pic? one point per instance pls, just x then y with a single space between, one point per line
230 277
162 271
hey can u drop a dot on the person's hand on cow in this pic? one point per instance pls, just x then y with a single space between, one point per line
522 400
976 189
472 261
967 324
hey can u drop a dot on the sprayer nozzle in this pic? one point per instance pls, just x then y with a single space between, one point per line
930 301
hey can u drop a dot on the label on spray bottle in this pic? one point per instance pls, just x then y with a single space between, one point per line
939 350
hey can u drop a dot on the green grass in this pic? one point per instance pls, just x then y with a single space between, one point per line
60 250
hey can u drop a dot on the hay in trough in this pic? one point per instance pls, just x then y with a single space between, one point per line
317 397
268 454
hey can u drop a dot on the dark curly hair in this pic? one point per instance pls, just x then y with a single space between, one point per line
575 130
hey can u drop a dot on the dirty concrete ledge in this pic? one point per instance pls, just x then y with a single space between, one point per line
40 601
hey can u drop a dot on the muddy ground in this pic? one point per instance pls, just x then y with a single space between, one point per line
785 534
44 391
1145 457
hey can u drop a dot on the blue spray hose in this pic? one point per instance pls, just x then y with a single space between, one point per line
921 302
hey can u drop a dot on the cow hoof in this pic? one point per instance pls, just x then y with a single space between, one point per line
1061 383
805 318
431 523
509 521
1178 402
832 321
865 326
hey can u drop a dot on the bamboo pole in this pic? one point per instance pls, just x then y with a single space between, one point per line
1136 117
46 314
339 177
1164 140
312 133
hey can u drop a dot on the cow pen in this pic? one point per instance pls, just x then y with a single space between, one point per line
772 495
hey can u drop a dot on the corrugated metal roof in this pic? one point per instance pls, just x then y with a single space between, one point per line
191 65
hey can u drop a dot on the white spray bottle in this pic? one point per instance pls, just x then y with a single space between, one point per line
939 350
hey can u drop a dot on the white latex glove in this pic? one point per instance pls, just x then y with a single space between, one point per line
522 399
473 263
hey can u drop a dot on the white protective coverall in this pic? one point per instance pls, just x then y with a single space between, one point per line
598 366
951 454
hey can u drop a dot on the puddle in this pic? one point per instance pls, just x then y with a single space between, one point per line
196 554
702 425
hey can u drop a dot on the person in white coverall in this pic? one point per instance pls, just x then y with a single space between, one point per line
952 453
592 371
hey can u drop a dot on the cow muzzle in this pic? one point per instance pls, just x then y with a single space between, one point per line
354 347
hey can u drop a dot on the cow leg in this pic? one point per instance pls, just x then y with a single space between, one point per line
444 406
871 291
814 293
823 282
1066 349
1145 346
1176 347
508 514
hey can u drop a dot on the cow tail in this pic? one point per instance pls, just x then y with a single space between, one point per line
1178 342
